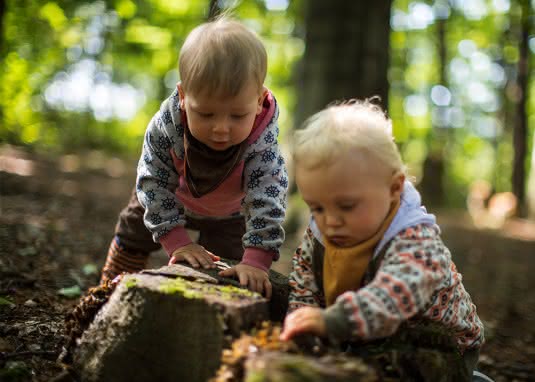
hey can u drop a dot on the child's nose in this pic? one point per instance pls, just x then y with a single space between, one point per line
332 220
221 126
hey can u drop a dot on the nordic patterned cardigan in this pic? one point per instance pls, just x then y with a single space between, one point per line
264 184
416 278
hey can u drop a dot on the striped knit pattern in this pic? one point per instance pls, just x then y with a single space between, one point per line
304 290
416 279
264 181
120 260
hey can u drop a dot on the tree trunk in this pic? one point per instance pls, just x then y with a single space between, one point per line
506 114
156 327
520 133
3 8
3 52
432 186
347 53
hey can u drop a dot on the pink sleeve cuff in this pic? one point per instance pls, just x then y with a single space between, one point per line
258 258
177 238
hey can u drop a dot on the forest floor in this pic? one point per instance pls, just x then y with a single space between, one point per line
57 216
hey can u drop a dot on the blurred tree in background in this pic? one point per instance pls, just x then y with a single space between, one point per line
456 92
89 74
456 76
346 53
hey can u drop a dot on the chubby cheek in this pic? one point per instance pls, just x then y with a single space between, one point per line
197 129
366 224
193 123
360 226
243 130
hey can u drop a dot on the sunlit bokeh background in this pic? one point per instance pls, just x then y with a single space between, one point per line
89 75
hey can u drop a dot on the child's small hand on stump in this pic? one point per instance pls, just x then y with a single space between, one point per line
195 255
304 320
251 277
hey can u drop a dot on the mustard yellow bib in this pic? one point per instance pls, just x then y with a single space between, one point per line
343 268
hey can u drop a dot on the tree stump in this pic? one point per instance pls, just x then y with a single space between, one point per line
260 355
419 351
166 325
276 366
278 304
176 323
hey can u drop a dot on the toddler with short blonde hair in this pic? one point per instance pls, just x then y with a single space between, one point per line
210 163
221 57
372 257
352 125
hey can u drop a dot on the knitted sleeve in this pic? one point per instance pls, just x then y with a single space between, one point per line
157 178
266 186
415 267
304 290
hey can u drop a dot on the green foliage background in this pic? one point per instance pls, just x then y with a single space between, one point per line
127 42
132 47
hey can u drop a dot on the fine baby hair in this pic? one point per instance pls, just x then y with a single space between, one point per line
221 57
345 126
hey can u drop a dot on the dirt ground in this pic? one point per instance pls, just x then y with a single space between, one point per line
56 221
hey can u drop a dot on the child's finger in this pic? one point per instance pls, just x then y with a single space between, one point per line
210 259
256 285
228 272
268 289
244 279
292 329
296 319
214 257
205 260
289 332
191 260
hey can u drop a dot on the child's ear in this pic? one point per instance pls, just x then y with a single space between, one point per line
396 187
261 99
180 94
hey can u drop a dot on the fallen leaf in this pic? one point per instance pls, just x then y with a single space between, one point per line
71 292
5 301
28 251
90 269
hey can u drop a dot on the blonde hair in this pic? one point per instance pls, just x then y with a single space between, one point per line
221 57
343 127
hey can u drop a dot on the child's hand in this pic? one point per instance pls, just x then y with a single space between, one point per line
194 254
253 278
304 320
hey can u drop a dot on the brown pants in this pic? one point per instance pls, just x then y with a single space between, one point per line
222 237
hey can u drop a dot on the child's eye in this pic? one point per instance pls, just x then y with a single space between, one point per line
347 207
205 115
316 210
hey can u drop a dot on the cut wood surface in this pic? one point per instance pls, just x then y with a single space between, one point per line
165 328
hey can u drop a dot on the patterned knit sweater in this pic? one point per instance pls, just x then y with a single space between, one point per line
264 183
416 278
